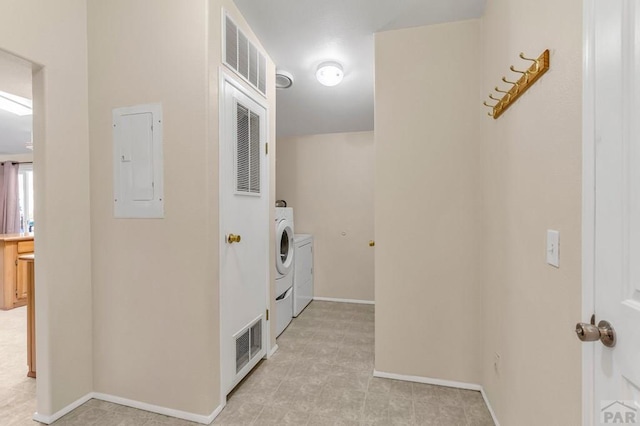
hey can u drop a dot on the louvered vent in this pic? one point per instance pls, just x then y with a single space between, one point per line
242 350
247 151
248 345
262 76
253 65
256 339
242 152
244 57
254 156
231 40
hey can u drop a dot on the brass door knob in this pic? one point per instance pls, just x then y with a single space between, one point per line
372 243
233 238
603 332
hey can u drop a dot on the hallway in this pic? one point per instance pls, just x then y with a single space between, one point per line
321 375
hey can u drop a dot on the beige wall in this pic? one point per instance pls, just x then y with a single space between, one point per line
526 166
328 180
153 310
20 158
427 202
15 76
532 182
53 35
156 292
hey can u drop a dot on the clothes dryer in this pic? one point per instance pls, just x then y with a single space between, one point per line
284 267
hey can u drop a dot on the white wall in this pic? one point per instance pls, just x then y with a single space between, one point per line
532 182
328 180
53 36
427 202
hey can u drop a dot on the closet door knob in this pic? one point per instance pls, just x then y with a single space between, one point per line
372 243
603 332
233 238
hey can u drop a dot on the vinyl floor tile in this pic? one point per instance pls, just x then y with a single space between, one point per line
322 374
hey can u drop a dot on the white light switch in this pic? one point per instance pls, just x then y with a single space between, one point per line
553 248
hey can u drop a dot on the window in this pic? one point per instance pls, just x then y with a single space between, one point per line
25 196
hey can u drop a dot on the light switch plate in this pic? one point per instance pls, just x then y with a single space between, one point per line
553 248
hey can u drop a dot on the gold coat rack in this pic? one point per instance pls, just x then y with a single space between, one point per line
526 80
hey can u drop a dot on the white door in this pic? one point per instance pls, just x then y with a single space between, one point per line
244 230
614 56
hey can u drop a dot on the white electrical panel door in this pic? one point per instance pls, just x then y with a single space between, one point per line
137 168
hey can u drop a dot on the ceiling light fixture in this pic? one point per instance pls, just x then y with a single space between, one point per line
15 104
284 79
329 73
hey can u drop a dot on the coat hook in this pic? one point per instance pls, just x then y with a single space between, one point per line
524 73
502 91
532 60
505 98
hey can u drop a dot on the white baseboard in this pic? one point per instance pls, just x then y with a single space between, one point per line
427 380
273 351
184 415
486 401
63 412
440 382
359 302
192 417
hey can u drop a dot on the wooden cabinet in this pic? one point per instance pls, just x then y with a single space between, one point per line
13 274
26 263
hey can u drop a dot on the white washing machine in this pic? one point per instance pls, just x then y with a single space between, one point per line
284 267
302 272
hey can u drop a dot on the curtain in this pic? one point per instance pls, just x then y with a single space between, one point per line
9 205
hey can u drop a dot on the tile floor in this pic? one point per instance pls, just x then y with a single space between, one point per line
321 375
17 391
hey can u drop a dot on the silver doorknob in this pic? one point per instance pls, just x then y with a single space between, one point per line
603 332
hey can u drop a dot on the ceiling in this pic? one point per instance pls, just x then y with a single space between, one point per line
15 131
301 34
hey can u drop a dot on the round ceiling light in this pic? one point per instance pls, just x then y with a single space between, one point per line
329 73
284 79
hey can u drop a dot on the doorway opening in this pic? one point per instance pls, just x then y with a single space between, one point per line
17 226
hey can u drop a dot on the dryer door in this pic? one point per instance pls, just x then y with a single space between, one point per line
284 248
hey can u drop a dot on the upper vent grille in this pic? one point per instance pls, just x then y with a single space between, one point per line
247 150
243 57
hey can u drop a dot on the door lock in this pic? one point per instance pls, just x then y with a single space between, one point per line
603 332
233 238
